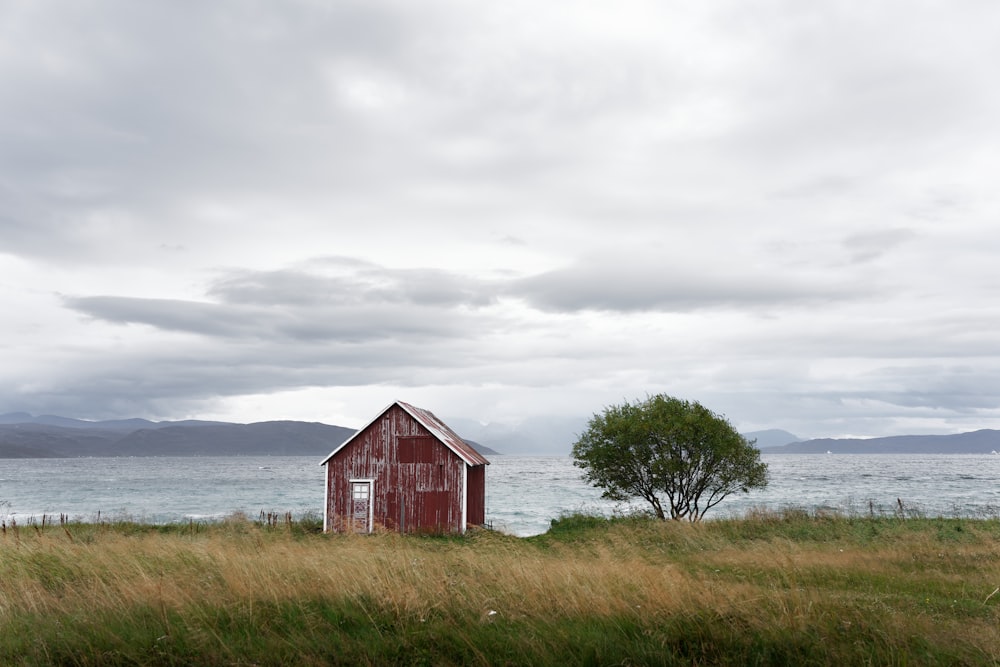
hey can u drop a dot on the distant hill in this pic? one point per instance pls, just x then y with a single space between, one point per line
48 436
772 437
482 449
974 442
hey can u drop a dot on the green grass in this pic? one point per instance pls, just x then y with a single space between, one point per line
789 588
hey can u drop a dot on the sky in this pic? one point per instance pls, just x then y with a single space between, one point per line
502 212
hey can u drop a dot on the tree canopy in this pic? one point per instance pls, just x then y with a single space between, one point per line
679 456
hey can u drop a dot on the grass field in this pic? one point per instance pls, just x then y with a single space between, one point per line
768 589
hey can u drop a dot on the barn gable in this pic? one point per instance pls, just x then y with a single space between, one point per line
435 426
405 470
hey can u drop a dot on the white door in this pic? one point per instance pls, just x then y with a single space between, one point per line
361 506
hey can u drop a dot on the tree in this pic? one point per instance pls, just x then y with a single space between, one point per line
677 455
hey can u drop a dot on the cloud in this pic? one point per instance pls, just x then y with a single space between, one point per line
366 303
624 283
356 282
514 209
871 245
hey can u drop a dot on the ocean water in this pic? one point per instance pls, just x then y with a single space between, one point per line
524 493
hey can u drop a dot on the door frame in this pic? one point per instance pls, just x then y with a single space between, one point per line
352 484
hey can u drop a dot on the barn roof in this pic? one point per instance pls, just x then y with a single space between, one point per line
438 429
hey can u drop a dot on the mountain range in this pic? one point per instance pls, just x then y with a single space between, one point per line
48 436
985 441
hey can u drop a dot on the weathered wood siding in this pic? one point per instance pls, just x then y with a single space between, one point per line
418 484
476 509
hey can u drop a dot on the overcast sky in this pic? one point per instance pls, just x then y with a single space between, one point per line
497 211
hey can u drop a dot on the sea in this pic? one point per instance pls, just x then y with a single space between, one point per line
524 493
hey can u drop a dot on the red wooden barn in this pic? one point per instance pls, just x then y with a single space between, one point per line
405 471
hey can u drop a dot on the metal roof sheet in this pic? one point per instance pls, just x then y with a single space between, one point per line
438 429
443 433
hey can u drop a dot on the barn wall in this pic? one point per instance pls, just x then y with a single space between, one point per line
417 486
477 496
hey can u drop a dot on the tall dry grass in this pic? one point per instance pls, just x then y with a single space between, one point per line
414 578
772 589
